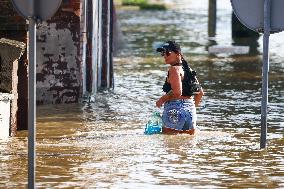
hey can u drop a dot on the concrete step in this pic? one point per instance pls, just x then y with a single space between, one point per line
218 49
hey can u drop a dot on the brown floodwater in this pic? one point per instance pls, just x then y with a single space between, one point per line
102 145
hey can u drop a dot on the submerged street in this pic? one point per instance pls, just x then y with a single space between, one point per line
102 144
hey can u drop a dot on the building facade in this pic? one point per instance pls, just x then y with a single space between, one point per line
74 51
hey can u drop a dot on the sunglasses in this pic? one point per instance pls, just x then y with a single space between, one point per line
167 53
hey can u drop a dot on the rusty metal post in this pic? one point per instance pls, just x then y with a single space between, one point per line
111 29
105 43
89 50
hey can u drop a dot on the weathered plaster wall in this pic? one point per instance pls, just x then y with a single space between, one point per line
58 67
58 40
58 57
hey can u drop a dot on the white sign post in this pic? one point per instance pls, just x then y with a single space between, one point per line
33 10
264 16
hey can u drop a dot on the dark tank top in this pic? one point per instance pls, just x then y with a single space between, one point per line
190 86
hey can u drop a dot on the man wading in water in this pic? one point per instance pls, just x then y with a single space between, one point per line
183 92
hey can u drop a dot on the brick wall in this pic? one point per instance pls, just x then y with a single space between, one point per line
12 25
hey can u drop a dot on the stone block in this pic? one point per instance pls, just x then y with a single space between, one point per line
218 49
5 114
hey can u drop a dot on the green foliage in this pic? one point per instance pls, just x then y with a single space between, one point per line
153 7
134 2
143 4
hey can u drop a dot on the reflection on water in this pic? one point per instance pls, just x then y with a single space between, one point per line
102 145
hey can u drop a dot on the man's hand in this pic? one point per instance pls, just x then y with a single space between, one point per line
160 102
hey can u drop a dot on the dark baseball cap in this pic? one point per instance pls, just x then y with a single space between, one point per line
169 46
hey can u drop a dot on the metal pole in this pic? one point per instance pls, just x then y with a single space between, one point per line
84 47
95 41
111 42
32 106
265 70
100 34
104 39
108 45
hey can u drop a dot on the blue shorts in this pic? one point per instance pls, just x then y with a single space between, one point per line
179 114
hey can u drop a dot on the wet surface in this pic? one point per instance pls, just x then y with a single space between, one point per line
102 145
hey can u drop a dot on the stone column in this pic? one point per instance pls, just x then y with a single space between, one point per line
10 53
212 16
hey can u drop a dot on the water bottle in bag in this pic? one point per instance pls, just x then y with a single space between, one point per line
154 125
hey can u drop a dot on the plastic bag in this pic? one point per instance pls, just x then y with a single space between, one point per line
154 125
